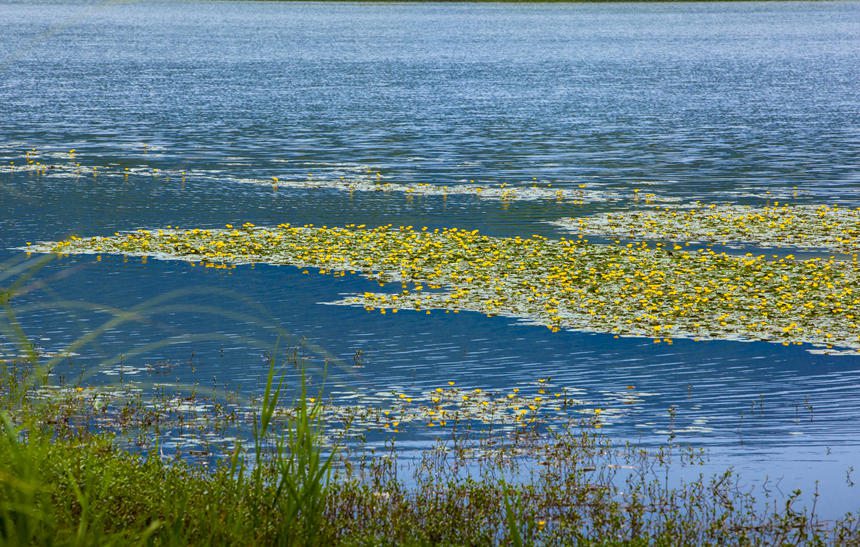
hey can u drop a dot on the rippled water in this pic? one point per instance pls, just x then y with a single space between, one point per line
720 102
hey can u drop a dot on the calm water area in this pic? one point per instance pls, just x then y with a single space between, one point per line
720 102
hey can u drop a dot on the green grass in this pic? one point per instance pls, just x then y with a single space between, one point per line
82 490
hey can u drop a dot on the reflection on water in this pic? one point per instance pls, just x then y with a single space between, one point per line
694 101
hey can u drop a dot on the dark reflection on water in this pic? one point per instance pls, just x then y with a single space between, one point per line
699 101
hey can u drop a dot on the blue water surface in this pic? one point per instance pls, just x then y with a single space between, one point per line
710 101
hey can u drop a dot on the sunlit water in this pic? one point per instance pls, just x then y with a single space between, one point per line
720 102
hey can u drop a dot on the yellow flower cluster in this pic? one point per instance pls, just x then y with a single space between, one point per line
805 226
452 406
640 289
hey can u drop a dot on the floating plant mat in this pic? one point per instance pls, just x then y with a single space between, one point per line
624 289
803 226
201 423
338 178
500 192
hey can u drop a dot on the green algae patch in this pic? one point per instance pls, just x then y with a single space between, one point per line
628 289
802 226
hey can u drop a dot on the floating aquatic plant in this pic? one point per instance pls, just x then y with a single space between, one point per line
803 226
198 422
502 191
543 487
453 406
633 289
65 164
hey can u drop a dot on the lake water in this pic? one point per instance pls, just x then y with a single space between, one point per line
717 101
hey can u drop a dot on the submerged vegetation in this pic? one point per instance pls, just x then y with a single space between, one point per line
627 289
803 226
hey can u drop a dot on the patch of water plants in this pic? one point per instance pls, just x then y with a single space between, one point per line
626 289
778 225
202 424
353 179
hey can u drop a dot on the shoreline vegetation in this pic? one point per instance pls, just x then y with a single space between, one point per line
67 484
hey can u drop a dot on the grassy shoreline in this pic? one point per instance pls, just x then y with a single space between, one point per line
87 492
61 484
